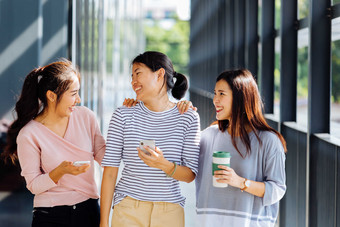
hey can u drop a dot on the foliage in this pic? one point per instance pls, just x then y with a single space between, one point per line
303 8
277 14
336 71
173 42
302 72
277 75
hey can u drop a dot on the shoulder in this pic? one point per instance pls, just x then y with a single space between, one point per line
268 137
271 142
121 114
82 112
190 114
211 129
29 130
209 132
207 137
125 111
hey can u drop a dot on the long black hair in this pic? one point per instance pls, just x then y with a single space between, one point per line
155 60
56 77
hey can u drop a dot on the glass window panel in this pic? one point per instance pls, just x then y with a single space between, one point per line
259 44
303 8
110 35
259 17
259 76
277 78
335 80
277 14
336 1
302 81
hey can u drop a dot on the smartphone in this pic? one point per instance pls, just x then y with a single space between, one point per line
81 163
149 143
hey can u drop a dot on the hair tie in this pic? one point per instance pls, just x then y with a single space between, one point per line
174 78
39 78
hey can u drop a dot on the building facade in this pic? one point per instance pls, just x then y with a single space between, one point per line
100 36
292 48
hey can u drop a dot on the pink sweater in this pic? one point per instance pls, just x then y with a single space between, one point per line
40 151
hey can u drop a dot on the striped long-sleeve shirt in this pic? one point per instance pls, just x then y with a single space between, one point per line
176 135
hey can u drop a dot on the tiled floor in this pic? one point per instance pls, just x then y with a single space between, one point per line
16 208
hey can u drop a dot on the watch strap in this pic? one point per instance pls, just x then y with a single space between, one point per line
245 186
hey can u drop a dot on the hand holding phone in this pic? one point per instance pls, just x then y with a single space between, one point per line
149 143
81 163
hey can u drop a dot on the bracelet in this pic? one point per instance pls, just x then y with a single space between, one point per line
173 172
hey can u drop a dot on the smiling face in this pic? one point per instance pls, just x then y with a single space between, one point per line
144 82
69 99
223 100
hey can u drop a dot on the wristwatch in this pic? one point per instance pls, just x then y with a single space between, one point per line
246 184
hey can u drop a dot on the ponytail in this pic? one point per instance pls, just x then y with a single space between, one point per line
26 108
180 87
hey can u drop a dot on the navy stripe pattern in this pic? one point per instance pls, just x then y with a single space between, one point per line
178 137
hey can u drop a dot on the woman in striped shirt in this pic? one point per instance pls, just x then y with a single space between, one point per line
148 192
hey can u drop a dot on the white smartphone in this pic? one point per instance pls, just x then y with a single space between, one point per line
81 163
149 143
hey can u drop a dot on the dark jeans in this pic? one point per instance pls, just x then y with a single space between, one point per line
84 214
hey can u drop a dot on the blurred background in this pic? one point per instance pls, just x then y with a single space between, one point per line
291 46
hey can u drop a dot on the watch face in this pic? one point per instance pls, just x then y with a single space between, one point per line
247 183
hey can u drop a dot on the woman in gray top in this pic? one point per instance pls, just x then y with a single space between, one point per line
256 176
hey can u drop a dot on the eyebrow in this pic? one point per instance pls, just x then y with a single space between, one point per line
220 90
136 69
75 90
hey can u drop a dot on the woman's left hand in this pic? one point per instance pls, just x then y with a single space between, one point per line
228 175
155 159
183 106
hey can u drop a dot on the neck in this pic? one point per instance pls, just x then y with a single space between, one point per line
229 127
159 103
247 127
49 117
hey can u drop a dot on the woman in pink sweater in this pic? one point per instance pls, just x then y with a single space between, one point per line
49 135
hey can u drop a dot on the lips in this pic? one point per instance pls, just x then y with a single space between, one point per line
136 88
218 109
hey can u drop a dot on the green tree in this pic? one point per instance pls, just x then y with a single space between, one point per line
303 8
173 42
302 72
336 71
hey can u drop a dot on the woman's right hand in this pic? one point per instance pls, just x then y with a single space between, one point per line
67 167
129 102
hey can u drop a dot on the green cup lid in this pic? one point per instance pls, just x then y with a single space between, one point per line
221 154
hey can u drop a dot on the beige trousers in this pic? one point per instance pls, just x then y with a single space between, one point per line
135 213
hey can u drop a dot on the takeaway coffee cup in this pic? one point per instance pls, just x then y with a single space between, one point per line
220 158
